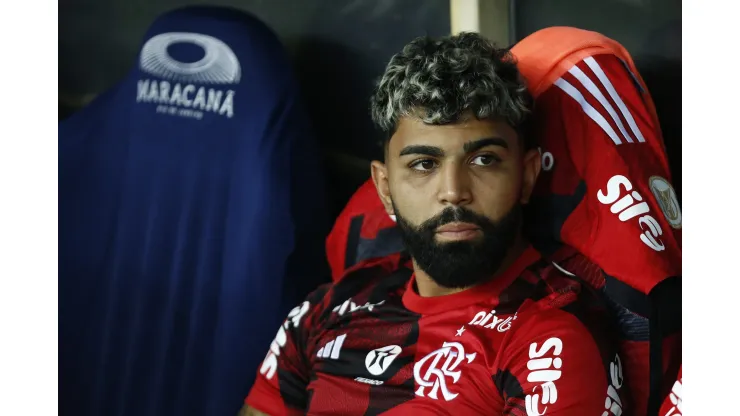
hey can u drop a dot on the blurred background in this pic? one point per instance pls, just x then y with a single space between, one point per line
339 48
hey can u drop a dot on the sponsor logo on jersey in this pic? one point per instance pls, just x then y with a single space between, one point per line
433 372
548 161
349 306
613 403
270 364
666 197
675 398
188 89
368 381
379 359
629 206
489 320
544 367
332 348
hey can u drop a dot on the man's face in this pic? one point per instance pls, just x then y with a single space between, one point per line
456 191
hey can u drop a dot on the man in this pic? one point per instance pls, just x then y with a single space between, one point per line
469 327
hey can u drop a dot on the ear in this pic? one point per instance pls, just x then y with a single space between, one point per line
379 172
532 166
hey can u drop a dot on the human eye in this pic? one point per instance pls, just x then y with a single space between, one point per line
485 160
423 165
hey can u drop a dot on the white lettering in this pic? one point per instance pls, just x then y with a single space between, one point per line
489 320
629 206
350 306
270 364
548 161
368 381
613 403
545 370
188 99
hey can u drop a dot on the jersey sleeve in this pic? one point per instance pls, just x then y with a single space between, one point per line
556 366
280 387
601 139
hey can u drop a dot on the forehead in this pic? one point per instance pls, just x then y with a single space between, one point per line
449 137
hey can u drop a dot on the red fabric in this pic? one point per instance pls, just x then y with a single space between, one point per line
600 135
364 202
503 348
598 128
672 403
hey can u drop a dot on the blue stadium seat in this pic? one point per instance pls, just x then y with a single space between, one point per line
191 219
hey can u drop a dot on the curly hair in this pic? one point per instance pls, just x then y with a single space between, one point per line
443 80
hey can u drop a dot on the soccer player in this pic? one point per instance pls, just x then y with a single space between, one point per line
468 325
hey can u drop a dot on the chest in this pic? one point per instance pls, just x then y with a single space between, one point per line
375 358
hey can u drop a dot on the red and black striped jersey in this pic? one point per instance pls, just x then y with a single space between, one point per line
369 344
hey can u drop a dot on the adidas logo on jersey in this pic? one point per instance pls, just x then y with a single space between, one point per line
332 348
350 306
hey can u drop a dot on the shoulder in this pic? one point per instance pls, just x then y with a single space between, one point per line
367 283
567 311
557 356
567 306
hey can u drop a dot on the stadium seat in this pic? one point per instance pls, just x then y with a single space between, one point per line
190 221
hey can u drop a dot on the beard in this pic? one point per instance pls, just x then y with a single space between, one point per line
461 264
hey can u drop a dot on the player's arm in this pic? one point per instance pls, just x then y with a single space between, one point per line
282 379
554 366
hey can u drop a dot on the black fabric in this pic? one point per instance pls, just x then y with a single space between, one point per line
353 241
665 318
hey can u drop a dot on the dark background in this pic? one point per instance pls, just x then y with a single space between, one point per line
340 47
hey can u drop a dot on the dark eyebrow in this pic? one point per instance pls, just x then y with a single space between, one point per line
470 147
422 150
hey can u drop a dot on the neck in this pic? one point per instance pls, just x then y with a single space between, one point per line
427 287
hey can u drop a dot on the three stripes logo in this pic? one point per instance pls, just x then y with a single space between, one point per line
621 117
332 348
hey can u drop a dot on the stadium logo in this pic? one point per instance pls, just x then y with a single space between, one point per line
629 206
666 197
379 359
437 367
545 367
182 88
219 64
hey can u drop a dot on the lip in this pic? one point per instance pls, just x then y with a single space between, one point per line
458 231
457 227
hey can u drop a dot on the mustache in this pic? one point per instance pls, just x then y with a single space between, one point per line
454 214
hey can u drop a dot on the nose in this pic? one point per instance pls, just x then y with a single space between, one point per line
454 186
